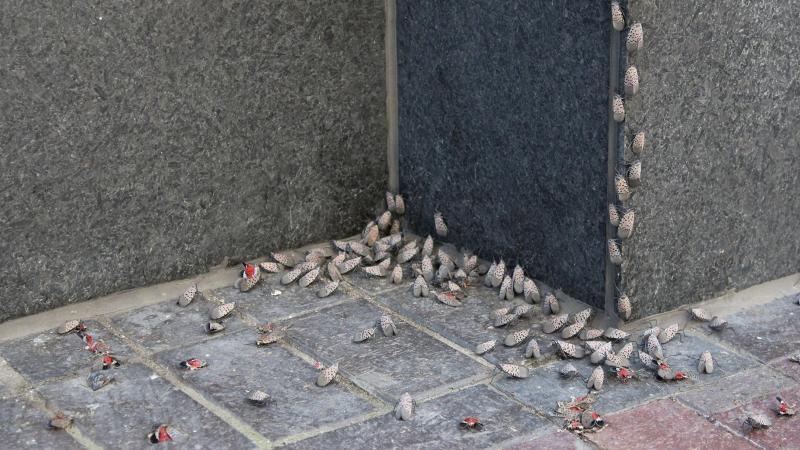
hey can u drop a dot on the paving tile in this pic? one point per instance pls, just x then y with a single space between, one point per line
385 366
544 387
664 424
47 354
121 414
724 393
784 432
435 425
787 367
236 367
768 331
470 324
557 440
293 300
167 325
24 426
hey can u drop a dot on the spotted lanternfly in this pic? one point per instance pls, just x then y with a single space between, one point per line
499 273
597 378
626 351
399 204
621 187
270 267
338 259
647 360
439 224
635 172
327 374
364 334
615 360
420 287
614 254
532 350
426 267
338 245
333 271
427 246
518 279
405 407
214 327
258 398
442 274
571 330
445 260
283 259
718 323
568 371
309 278
501 311
390 205
646 333
349 265
315 255
192 364
523 310
567 350
653 346
599 355
60 421
757 421
664 372
448 298
613 214
471 424
516 338
385 264
470 263
375 271
387 325
635 40
385 221
550 304
505 319
597 345
615 334
530 291
624 308
70 326
699 314
589 334
98 379
108 361
706 363
268 338
327 288
359 248
631 81
638 143
485 347
619 108
291 276
582 316
783 408
514 370
454 288
617 19
188 295
489 278
406 254
668 333
222 310
626 225
624 374
795 358
555 323
372 236
160 434
506 289
397 274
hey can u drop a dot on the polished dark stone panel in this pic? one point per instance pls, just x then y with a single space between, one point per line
717 208
145 141
503 128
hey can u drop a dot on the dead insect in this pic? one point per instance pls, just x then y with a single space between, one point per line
188 295
98 379
555 323
271 267
160 434
635 40
530 291
532 350
567 350
597 379
621 187
387 325
405 407
550 304
258 398
214 327
364 334
783 408
192 364
108 361
70 326
514 370
638 143
439 224
328 289
625 228
516 338
590 333
618 108
613 214
59 421
485 347
635 172
706 363
471 424
631 81
615 334
617 19
309 277
614 253
757 421
222 310
448 298
624 374
327 374
420 288
568 371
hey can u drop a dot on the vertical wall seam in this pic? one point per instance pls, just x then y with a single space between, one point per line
392 144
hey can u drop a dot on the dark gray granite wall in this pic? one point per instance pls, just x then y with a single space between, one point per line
503 128
144 141
718 206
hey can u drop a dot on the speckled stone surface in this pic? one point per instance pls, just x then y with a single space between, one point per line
121 414
720 175
503 128
435 425
236 367
384 366
23 426
144 142
45 355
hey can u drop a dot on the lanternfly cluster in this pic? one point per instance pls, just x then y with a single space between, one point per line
629 176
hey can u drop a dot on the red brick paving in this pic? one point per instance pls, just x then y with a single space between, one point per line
558 440
664 424
785 431
788 368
